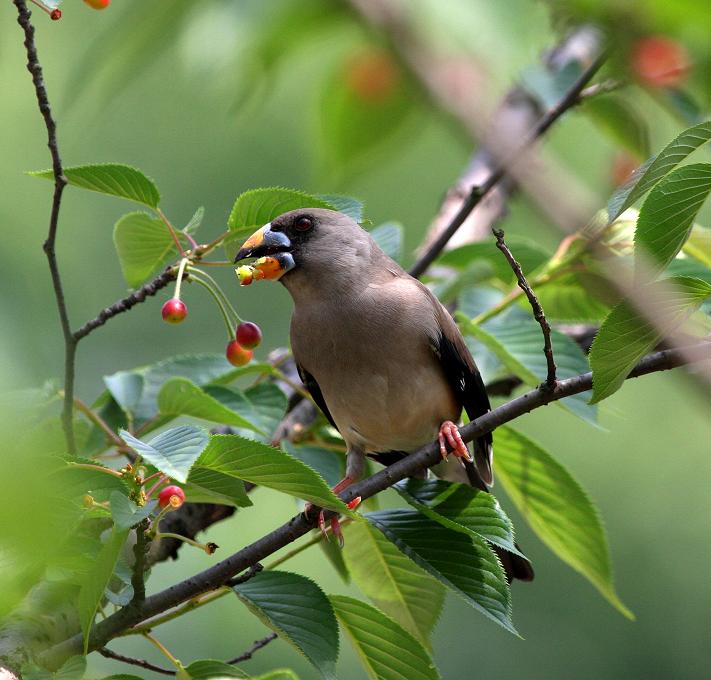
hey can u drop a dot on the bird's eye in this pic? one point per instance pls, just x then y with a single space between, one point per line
303 224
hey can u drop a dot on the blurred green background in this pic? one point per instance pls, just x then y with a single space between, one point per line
174 89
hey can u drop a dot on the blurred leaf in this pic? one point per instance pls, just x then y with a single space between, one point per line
95 582
204 669
621 122
389 237
625 336
75 481
329 464
266 466
464 563
113 179
648 174
346 204
557 509
126 513
698 245
144 245
279 674
173 452
365 102
573 299
550 86
136 390
122 676
519 346
333 553
180 396
667 216
529 255
195 221
72 669
387 651
392 581
212 486
296 609
461 508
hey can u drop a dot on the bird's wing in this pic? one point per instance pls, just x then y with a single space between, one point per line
315 391
466 382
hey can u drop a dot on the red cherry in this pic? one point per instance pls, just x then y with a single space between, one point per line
623 165
171 495
238 355
55 14
98 4
372 76
248 334
174 311
659 61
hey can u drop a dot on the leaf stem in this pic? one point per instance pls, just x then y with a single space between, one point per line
99 422
163 649
172 231
97 468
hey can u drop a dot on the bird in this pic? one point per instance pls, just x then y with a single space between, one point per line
380 355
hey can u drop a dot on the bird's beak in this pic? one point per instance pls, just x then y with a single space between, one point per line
263 242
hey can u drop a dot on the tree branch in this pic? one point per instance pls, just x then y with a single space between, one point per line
538 313
478 193
258 644
60 181
299 525
142 663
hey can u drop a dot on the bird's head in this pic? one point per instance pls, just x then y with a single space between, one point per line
312 242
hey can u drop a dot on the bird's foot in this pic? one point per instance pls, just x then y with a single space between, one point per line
335 523
449 433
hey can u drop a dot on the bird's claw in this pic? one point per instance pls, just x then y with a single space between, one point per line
449 432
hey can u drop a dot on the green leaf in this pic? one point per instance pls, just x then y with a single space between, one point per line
464 563
113 179
204 669
144 245
126 513
195 221
625 336
331 465
210 486
95 582
392 581
557 509
574 298
72 669
278 674
296 609
388 651
519 346
346 204
621 122
264 465
75 481
173 452
461 508
647 175
698 245
180 396
667 216
389 237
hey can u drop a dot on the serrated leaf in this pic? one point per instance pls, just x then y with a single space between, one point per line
461 508
519 346
625 336
126 513
621 122
392 581
464 563
389 237
257 207
211 486
298 611
557 509
264 465
173 452
180 396
388 651
331 465
667 217
346 204
144 245
204 669
657 167
95 582
113 179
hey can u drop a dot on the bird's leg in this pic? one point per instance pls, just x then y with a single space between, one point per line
450 432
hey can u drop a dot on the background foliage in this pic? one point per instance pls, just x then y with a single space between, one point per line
172 90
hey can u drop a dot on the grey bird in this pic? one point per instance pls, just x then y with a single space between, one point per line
379 354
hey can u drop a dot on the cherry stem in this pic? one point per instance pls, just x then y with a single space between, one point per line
42 7
172 231
163 479
179 281
162 648
225 314
218 290
204 250
184 539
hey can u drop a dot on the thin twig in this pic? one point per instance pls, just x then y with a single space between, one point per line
478 193
124 304
60 181
258 644
105 652
243 578
138 580
538 313
298 526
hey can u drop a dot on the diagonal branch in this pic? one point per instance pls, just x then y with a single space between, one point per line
60 181
142 663
535 305
299 525
258 644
